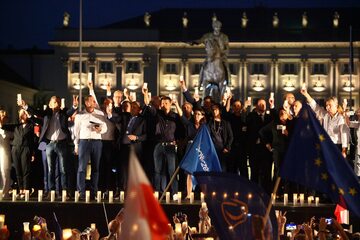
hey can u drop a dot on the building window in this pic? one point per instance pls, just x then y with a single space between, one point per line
132 67
105 67
346 69
232 69
319 68
196 69
258 68
170 68
75 67
289 68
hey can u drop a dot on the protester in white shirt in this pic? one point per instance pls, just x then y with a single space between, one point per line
332 121
89 126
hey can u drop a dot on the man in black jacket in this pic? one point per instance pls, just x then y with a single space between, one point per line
260 159
55 133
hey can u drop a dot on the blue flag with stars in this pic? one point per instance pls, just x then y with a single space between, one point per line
315 161
201 155
237 206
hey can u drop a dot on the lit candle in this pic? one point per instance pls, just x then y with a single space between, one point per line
27 195
202 197
177 228
40 195
87 196
156 195
26 227
301 199
317 200
44 107
36 228
93 226
76 197
181 78
179 197
167 197
14 193
295 198
271 95
286 198
2 220
111 196
310 198
63 195
273 198
52 196
149 94
191 197
122 196
98 196
203 205
18 97
1 195
66 233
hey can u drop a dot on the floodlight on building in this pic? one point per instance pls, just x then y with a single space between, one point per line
348 86
289 85
319 85
258 85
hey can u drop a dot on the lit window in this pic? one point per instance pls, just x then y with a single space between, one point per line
75 67
106 67
132 67
171 68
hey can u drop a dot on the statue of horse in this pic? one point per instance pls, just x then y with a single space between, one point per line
213 73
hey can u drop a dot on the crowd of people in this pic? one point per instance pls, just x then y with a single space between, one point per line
321 228
248 141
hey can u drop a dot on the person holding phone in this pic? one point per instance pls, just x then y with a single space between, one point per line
89 126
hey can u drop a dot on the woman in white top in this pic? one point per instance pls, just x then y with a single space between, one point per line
5 155
332 121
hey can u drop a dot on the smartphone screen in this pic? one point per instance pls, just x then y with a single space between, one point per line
290 226
328 221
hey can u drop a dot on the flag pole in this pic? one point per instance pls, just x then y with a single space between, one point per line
266 217
106 217
351 66
170 182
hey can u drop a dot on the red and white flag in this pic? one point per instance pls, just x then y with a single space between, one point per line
144 218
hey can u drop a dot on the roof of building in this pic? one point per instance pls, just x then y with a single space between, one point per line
166 26
168 23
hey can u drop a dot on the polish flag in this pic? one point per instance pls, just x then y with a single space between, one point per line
144 218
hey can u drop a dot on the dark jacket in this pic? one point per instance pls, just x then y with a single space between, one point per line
226 133
46 117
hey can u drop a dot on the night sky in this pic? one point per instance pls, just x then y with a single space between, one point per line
28 23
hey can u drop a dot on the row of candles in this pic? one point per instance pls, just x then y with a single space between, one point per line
98 196
64 196
298 199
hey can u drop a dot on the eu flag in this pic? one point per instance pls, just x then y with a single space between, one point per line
236 206
315 161
201 155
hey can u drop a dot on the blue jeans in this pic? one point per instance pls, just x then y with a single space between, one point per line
165 156
89 150
56 155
